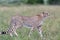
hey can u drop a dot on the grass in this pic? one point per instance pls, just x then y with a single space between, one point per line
51 27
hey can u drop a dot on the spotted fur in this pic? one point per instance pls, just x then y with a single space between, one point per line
31 22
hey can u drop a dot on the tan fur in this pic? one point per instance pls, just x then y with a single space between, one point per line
30 21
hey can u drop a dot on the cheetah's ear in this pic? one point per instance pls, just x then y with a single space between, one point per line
45 13
42 14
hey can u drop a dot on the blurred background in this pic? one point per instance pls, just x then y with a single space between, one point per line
35 2
51 26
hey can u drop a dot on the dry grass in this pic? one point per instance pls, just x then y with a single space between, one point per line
51 29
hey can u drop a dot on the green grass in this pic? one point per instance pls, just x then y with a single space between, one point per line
51 27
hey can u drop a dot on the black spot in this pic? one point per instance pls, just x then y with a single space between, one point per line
3 32
39 26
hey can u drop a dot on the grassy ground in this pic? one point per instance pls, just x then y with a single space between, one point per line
51 27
